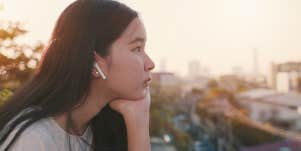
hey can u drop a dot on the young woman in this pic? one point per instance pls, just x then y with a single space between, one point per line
90 91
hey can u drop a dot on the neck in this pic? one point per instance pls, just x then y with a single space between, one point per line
83 114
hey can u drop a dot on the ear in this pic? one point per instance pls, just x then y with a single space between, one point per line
102 63
95 73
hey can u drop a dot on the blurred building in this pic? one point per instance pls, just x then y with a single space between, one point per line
167 82
293 72
268 104
238 71
164 78
282 145
194 68
200 83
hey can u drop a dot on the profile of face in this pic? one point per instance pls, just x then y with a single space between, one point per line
128 66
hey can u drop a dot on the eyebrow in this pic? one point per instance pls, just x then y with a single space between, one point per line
138 39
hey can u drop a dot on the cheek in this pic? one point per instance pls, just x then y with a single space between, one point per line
127 76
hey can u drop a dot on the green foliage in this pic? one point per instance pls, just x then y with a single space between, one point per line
17 61
4 95
213 84
163 108
182 140
10 31
219 126
161 112
249 136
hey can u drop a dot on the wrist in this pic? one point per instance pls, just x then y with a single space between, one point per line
138 133
139 119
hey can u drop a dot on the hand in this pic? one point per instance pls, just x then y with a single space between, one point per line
136 116
133 108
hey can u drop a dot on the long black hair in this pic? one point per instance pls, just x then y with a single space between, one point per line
63 76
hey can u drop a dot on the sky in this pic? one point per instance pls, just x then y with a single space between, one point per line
220 34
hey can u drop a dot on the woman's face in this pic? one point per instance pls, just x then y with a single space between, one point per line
128 65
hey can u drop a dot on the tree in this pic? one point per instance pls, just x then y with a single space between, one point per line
17 61
163 109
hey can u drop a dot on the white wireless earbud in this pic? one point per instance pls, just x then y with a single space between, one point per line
99 71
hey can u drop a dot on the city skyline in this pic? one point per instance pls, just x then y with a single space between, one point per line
220 34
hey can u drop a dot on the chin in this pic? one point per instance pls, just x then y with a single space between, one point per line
139 94
133 94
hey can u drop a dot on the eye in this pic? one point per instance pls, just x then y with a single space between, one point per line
138 49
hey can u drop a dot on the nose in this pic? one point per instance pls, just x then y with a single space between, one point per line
149 64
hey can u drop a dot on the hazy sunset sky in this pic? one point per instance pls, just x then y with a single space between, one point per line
220 34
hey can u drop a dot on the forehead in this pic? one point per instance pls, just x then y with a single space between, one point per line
134 30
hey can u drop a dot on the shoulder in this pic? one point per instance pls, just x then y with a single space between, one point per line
36 137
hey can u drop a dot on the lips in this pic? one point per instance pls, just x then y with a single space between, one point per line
147 81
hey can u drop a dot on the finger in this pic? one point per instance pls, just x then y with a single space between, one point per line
115 105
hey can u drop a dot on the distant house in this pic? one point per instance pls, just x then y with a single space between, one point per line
164 78
199 82
167 82
265 104
283 145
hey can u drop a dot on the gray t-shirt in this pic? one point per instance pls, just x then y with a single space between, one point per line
47 135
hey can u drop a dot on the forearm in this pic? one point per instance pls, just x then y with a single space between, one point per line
138 133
